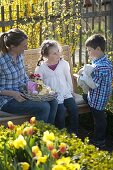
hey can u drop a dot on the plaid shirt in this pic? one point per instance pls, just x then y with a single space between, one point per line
102 76
12 75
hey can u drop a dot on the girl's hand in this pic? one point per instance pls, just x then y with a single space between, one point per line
18 96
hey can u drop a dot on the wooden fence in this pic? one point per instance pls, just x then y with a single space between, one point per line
96 17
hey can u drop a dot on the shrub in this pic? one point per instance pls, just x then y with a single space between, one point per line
40 146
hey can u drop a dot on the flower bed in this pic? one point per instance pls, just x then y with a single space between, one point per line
40 146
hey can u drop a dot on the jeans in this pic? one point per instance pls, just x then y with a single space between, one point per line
100 122
45 111
69 105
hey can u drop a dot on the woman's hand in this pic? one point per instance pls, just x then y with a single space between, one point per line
18 96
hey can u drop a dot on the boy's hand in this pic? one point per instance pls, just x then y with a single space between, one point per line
75 76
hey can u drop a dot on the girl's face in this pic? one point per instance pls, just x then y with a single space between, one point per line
54 54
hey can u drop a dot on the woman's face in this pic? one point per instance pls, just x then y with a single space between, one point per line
20 48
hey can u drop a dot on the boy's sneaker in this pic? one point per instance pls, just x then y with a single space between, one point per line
100 144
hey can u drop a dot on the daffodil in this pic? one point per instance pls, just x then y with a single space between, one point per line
48 136
75 166
36 151
59 167
63 160
18 131
19 142
42 159
25 166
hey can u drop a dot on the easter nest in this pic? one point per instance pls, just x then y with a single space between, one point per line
40 97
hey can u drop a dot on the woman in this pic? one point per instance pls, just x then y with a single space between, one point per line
13 76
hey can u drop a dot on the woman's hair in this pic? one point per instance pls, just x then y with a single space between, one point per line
96 40
45 47
12 37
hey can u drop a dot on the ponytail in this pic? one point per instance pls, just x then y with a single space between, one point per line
3 47
40 60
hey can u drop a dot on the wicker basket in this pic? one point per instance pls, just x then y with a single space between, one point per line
47 97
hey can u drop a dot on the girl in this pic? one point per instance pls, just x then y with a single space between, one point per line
13 76
55 72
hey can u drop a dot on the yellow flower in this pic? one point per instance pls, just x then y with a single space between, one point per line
36 151
19 131
78 27
42 159
59 167
63 160
25 166
38 154
19 142
48 136
75 166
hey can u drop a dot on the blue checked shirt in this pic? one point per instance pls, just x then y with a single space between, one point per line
12 75
102 76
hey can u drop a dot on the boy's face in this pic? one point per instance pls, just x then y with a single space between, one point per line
94 53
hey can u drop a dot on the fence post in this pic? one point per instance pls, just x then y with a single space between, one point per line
111 22
2 18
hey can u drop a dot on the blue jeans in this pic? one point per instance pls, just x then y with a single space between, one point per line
69 105
45 111
100 122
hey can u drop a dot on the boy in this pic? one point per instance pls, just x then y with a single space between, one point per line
97 97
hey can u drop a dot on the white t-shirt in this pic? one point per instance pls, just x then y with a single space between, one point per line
59 80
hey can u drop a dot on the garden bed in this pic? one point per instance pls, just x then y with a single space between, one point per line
40 146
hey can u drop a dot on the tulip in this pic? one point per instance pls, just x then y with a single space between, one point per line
33 120
62 147
54 154
50 145
28 130
10 125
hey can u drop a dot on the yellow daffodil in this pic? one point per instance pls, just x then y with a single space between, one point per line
25 166
38 154
19 142
63 160
42 159
59 167
75 166
48 136
36 151
19 131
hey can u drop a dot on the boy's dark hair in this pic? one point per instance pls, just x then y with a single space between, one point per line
96 40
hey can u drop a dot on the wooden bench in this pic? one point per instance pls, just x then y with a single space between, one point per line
30 58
